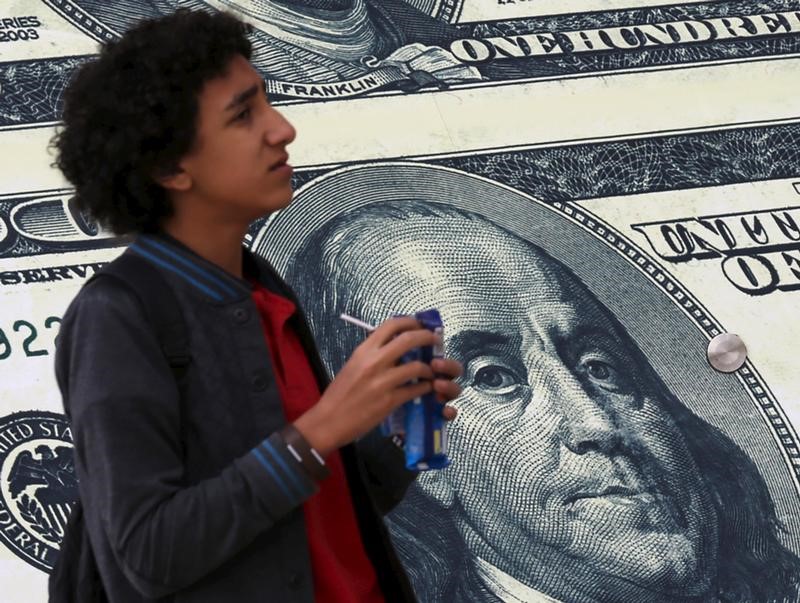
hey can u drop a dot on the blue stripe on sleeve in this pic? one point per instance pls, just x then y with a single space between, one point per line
267 445
272 473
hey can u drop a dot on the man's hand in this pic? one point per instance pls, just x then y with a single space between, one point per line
372 384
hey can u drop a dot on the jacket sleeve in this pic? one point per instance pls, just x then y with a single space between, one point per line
124 407
384 466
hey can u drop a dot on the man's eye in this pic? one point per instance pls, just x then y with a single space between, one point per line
243 114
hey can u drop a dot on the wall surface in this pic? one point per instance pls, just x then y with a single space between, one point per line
589 191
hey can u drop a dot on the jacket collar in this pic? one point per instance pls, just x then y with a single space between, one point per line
215 283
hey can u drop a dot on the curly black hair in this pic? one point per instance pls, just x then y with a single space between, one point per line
130 115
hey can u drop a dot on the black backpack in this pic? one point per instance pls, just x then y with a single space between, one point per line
75 577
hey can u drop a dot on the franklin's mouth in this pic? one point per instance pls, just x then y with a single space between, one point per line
616 492
645 508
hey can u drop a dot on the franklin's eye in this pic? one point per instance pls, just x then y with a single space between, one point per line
598 370
493 378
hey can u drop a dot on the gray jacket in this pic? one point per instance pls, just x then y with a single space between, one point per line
194 497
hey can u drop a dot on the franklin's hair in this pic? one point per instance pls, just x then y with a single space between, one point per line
131 114
753 565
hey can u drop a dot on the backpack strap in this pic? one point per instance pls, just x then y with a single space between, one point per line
75 577
160 305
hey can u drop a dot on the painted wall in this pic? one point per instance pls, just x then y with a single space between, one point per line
589 190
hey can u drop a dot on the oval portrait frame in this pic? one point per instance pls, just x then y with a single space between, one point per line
626 280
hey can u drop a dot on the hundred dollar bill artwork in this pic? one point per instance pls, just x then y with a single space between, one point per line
316 50
587 463
588 190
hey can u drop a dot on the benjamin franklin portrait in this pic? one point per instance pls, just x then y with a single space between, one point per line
577 474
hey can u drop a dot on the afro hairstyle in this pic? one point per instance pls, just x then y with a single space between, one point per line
131 114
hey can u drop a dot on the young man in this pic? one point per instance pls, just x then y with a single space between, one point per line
252 479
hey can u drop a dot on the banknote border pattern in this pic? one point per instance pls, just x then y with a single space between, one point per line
88 24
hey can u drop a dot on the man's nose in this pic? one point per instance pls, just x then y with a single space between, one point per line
278 130
586 422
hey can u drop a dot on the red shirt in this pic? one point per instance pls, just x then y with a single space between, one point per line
340 566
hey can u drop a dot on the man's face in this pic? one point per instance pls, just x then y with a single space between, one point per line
238 163
565 461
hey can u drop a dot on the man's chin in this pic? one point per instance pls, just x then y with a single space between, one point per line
276 201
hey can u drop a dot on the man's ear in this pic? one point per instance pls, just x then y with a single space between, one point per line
177 179
436 485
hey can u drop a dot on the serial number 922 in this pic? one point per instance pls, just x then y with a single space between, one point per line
26 340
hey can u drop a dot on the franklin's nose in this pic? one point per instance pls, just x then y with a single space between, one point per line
586 423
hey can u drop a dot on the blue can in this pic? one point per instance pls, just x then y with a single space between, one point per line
419 423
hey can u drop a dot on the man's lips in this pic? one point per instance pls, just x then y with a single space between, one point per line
281 162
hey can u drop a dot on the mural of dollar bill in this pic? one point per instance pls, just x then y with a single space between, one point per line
588 190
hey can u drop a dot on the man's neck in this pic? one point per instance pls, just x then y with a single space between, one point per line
219 243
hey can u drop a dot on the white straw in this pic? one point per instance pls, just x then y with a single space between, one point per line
358 323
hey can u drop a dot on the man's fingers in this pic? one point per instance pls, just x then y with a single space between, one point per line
447 367
408 371
389 328
449 413
409 392
446 390
407 341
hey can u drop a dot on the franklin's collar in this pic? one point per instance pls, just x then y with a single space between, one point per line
507 588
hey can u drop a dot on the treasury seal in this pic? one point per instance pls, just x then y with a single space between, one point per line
37 484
